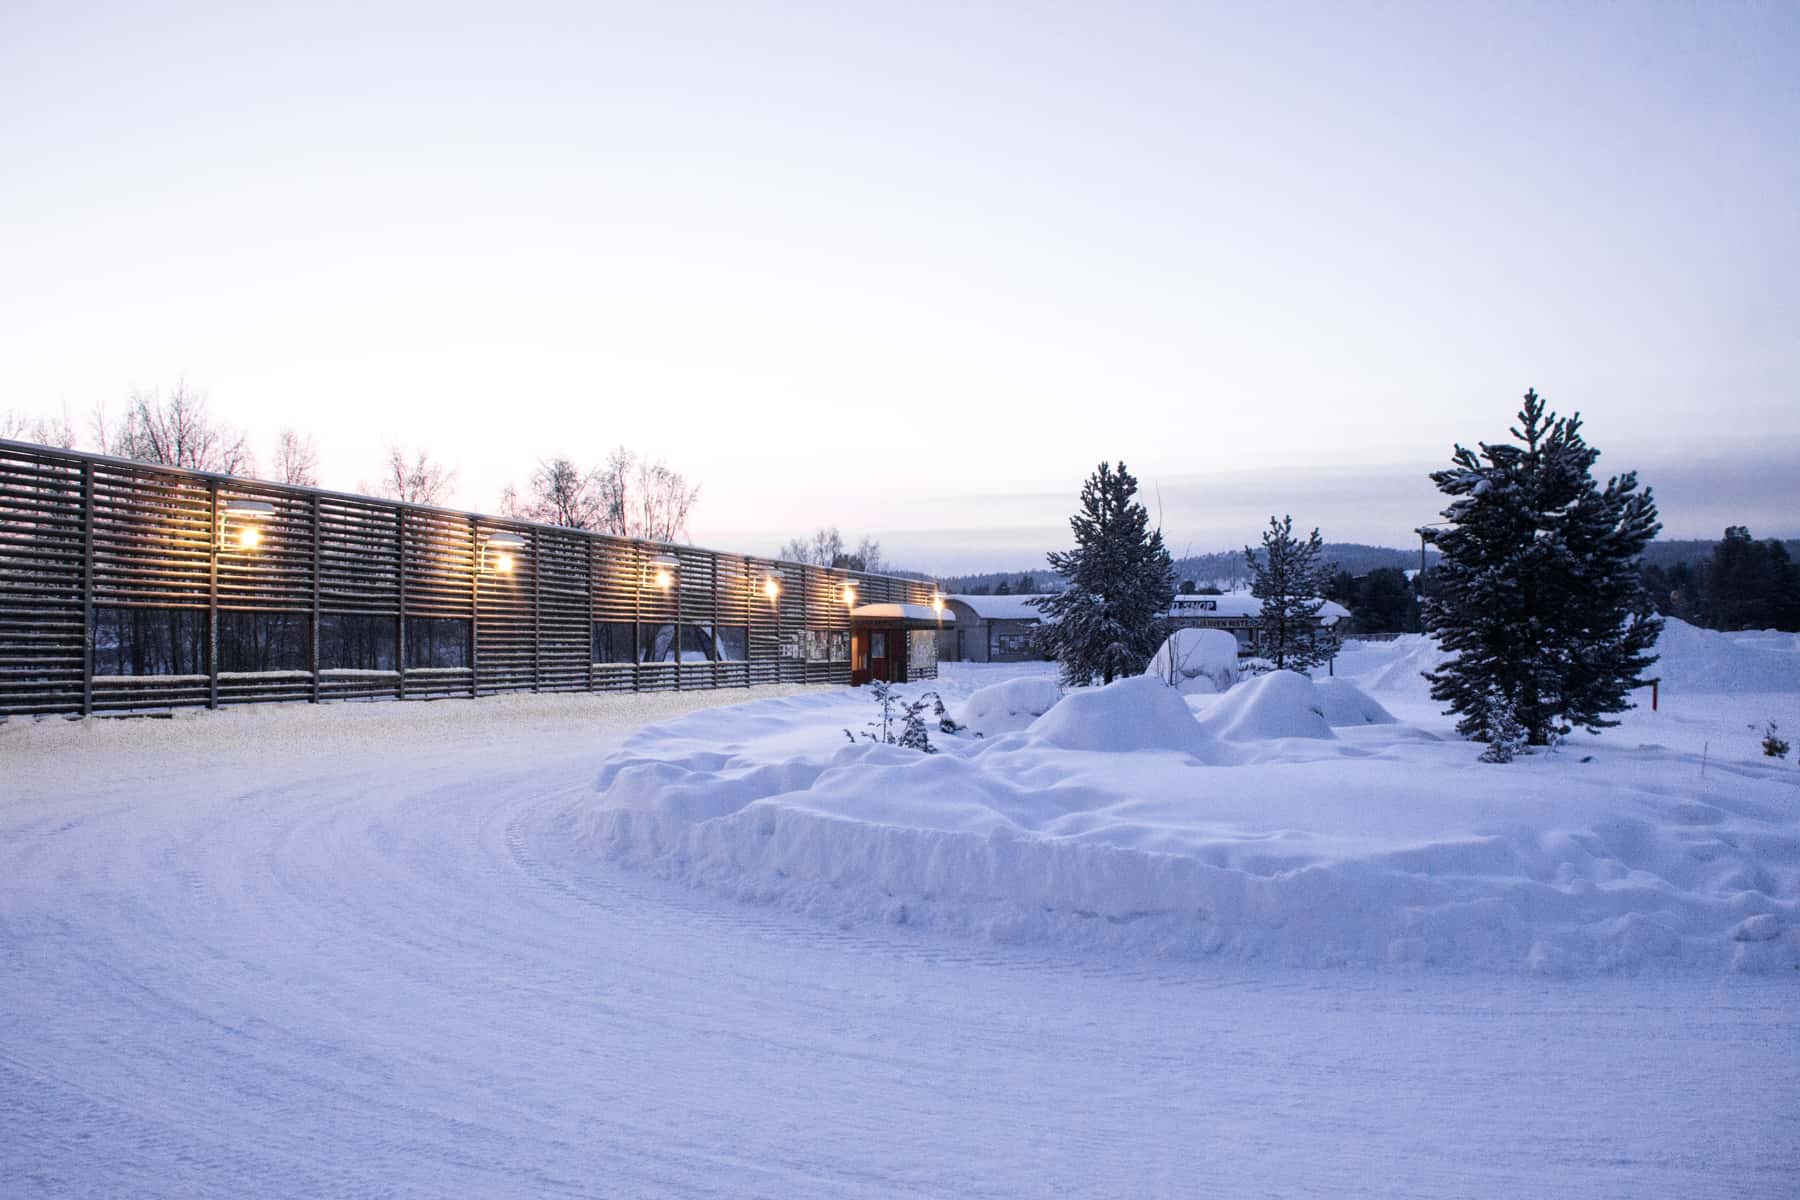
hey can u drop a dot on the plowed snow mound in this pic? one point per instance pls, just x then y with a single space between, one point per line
1394 666
1203 661
1691 659
1377 846
1004 707
1280 704
1128 714
1347 704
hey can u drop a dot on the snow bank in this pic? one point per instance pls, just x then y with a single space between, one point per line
1011 705
1346 704
1395 667
1200 661
1382 845
1280 704
1691 659
1126 715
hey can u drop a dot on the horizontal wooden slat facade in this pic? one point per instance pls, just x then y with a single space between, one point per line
85 538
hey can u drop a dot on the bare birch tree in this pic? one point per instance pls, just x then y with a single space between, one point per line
561 494
296 459
826 549
632 497
45 431
175 429
664 502
418 480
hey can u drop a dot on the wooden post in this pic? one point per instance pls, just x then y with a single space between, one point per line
214 536
587 565
316 681
87 588
474 609
537 611
400 638
637 617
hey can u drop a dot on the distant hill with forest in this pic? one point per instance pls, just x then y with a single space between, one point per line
1225 568
1675 551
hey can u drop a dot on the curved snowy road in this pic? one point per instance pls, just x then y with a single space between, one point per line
297 954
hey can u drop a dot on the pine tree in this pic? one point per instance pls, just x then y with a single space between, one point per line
1108 622
1539 582
1290 581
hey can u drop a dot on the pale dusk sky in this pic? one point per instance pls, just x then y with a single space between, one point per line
914 271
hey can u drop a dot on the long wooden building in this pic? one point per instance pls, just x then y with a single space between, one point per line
126 586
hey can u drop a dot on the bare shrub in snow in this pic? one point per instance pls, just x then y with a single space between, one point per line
901 722
1773 744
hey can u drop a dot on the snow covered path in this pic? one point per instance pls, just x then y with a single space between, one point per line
294 954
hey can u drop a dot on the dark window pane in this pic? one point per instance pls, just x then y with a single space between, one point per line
357 642
613 641
733 642
149 641
263 641
1015 644
697 644
437 642
657 644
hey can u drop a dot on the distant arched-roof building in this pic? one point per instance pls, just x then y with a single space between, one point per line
991 629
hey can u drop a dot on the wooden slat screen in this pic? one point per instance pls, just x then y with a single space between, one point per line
82 535
43 629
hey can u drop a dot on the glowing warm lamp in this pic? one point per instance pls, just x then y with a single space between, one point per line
937 602
505 546
771 588
849 593
251 514
663 572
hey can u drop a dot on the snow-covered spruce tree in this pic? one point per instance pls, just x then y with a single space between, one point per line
1536 593
1107 622
1290 581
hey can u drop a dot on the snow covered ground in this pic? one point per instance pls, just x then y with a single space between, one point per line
372 950
1135 818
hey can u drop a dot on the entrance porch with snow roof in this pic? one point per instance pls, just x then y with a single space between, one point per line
896 641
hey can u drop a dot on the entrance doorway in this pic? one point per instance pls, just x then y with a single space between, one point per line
878 652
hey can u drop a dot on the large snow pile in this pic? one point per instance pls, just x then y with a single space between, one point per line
1128 714
1280 704
1381 845
1346 704
1009 705
1691 659
1395 666
1197 661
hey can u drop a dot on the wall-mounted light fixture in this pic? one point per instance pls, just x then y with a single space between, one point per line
772 584
661 569
849 594
937 604
504 547
250 515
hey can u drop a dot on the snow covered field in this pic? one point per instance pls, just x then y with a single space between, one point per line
392 950
1283 821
